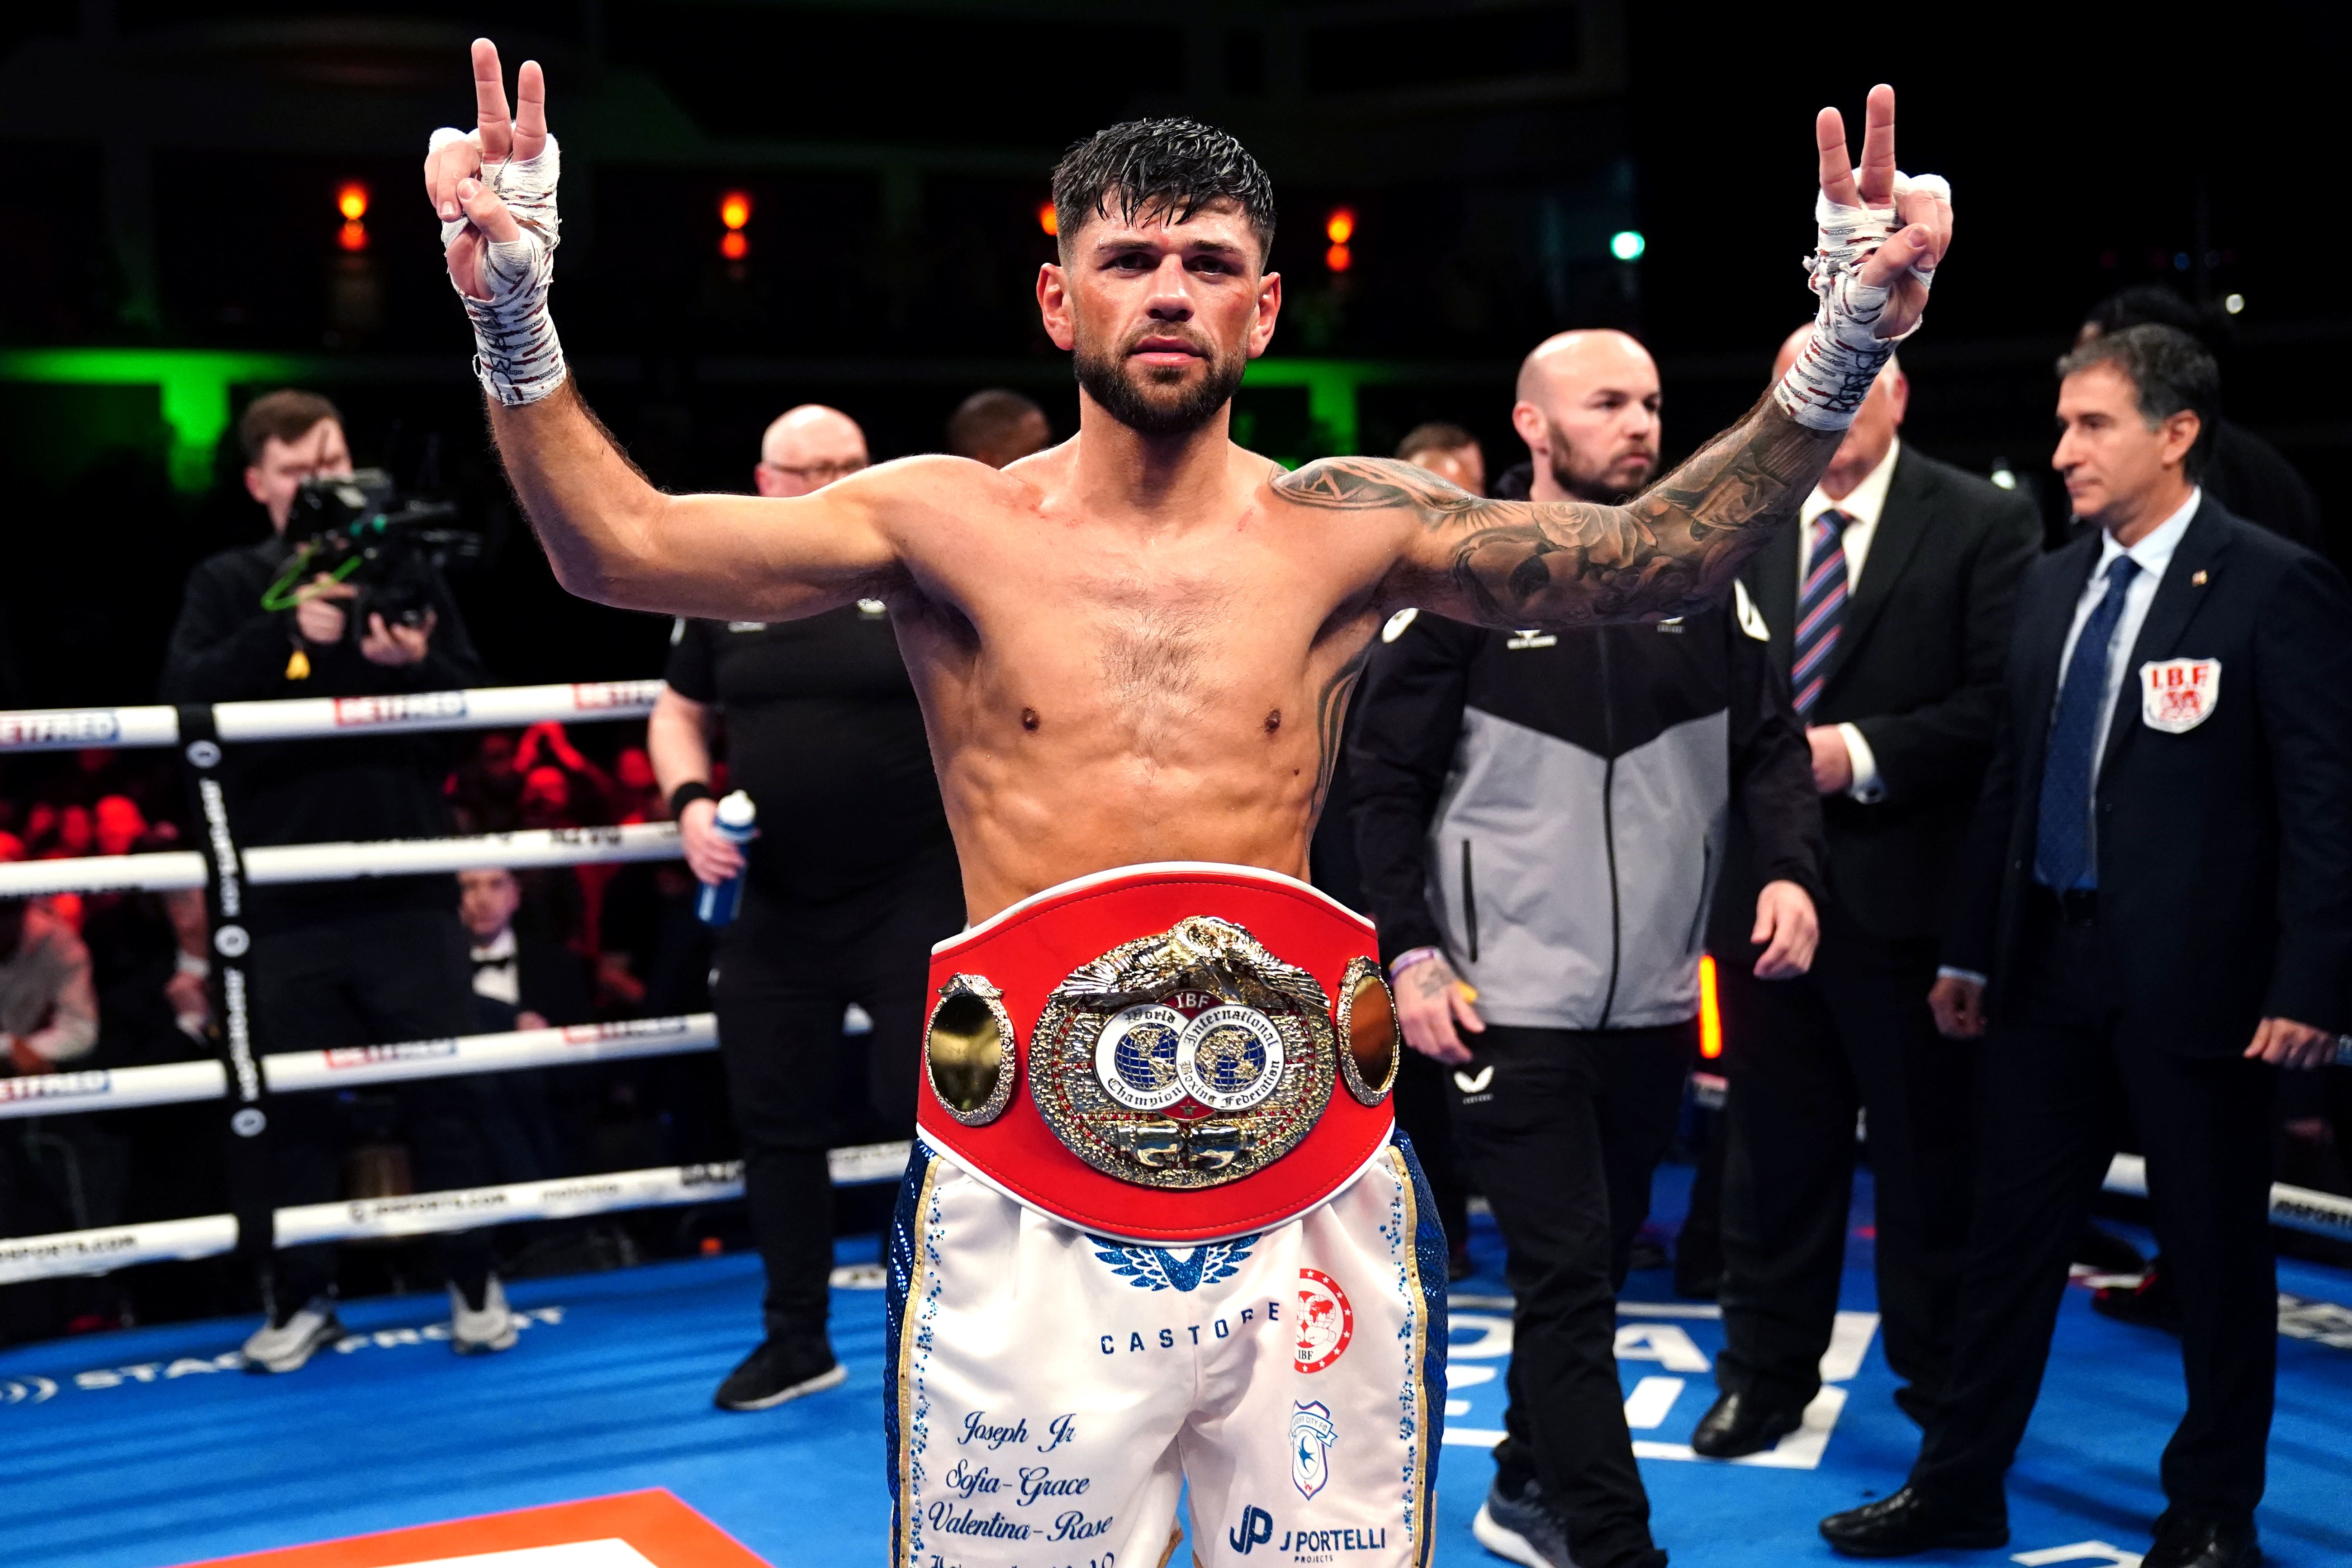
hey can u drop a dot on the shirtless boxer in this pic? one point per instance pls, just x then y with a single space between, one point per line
1157 1228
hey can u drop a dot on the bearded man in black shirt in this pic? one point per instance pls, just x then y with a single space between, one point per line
851 880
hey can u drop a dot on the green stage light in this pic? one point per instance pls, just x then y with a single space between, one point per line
1627 244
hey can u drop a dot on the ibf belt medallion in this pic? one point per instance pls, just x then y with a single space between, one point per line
1183 1060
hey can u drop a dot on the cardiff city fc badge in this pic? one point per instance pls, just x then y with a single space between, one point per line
1184 1061
2176 695
1311 1436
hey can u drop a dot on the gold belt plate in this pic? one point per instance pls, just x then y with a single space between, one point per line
1184 1061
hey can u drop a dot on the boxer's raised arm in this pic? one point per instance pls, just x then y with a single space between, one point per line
614 538
1675 548
1671 550
611 535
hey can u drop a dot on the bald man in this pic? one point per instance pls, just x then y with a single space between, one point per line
1587 410
1540 823
852 879
806 448
1889 615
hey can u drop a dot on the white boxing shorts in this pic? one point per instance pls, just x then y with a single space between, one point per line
1158 1231
1055 1391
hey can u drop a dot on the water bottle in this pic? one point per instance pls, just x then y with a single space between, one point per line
735 823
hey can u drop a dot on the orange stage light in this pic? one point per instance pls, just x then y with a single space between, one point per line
352 236
1338 259
1710 1012
1047 220
1340 227
352 200
734 246
735 209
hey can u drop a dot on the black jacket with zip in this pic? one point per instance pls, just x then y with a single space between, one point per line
1550 808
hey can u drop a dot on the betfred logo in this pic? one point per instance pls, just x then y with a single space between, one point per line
408 708
63 727
406 1051
52 1086
627 1030
1326 1321
590 695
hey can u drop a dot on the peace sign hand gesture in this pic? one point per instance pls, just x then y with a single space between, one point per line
1882 235
1889 228
493 189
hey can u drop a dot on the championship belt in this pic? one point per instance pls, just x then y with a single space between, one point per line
1168 1054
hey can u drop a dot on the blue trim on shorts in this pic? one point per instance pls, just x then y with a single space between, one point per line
1432 1257
899 1268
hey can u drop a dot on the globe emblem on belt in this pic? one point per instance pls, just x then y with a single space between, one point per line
1229 1058
1136 1056
1145 1059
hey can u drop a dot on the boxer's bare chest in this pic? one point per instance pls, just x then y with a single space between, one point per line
1098 695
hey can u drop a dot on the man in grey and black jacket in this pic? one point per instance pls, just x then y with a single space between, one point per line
1542 821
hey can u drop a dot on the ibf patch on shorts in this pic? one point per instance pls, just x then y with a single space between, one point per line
2176 695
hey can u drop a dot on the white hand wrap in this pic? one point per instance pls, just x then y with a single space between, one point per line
516 353
1835 371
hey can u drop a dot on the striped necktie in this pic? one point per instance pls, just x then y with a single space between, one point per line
1821 611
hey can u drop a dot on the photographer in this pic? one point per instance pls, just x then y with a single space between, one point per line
352 962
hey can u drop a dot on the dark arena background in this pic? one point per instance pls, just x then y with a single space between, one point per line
846 202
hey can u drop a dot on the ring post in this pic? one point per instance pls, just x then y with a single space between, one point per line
224 916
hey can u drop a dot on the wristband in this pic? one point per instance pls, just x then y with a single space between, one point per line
1405 961
195 963
687 793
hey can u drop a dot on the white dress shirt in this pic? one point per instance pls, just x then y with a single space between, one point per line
497 974
1861 506
2153 553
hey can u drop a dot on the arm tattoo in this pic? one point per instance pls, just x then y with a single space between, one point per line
1671 550
1331 723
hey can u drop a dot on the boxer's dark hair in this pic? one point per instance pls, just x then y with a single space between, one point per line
2169 371
1144 168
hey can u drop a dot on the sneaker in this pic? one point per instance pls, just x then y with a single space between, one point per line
780 1370
1520 1528
482 1331
285 1347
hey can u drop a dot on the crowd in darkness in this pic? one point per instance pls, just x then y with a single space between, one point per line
593 943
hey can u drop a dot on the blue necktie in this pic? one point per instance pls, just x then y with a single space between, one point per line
1820 612
2062 850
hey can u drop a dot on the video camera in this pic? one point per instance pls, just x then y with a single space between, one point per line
355 528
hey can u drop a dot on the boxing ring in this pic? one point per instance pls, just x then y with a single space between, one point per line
222 869
609 1393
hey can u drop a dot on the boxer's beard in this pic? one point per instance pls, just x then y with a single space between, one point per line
1132 394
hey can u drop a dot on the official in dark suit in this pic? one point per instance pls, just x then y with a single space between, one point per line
1890 612
2158 887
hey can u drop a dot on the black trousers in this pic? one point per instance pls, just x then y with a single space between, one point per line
784 976
372 979
1562 1130
1802 1057
2060 1078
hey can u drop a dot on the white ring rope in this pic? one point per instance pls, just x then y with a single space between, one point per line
76 1252
272 865
300 718
347 1066
2297 1208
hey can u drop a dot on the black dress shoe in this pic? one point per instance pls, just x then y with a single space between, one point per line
1742 1423
1911 1521
2191 1542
